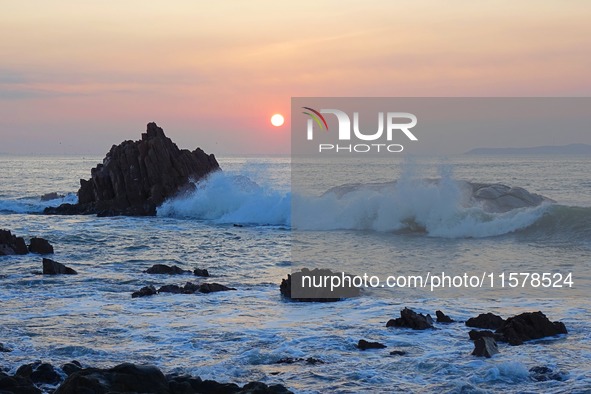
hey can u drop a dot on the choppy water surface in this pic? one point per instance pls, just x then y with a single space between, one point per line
240 335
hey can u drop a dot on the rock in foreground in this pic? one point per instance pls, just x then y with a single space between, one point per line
137 176
485 347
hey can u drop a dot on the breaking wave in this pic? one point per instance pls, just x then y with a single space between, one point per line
441 208
34 204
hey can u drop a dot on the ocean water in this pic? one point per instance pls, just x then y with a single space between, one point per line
240 335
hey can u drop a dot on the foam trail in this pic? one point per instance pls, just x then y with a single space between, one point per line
34 204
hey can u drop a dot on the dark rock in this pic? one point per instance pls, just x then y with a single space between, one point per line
410 319
137 176
71 367
175 289
51 196
11 244
201 272
51 267
45 374
4 349
543 374
190 288
443 318
124 378
397 353
213 287
485 347
291 288
528 326
17 385
485 320
166 270
40 246
144 292
475 334
364 345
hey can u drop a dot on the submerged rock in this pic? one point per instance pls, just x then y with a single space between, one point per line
137 176
166 270
40 246
51 196
364 345
485 320
51 267
528 326
144 292
543 374
201 272
485 347
11 244
410 319
292 288
213 288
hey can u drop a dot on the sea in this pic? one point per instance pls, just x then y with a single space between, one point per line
239 225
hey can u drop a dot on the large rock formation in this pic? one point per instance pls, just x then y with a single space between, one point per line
137 176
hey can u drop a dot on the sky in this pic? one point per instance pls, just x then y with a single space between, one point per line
79 76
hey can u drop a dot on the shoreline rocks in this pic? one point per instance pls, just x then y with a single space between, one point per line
11 244
122 378
410 319
527 326
51 267
136 177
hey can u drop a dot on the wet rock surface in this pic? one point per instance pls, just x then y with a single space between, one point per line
164 269
51 267
485 347
40 246
410 319
364 345
485 320
11 244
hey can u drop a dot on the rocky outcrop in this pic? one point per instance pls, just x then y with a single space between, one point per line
137 176
485 347
443 318
502 198
364 345
51 267
164 269
485 320
11 244
410 319
144 292
528 326
40 246
201 272
320 291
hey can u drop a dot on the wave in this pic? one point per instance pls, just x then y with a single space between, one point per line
34 204
438 208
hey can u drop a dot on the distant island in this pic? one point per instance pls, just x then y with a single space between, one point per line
572 149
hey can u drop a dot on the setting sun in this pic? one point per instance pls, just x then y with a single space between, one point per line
277 120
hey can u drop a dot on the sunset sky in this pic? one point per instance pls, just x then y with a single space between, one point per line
79 76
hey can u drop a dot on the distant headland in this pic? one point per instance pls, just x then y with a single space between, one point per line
571 149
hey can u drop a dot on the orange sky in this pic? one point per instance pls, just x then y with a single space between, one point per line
78 76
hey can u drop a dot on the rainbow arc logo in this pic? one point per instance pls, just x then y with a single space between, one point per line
317 117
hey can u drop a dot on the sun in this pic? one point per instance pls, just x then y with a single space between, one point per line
277 120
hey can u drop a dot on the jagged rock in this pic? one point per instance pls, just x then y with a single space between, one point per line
528 326
485 347
166 270
291 288
71 367
410 319
213 287
51 267
201 272
51 196
11 244
364 345
137 176
144 292
485 320
443 318
40 246
17 384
